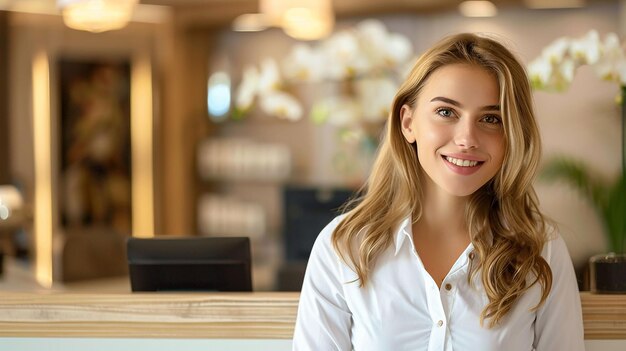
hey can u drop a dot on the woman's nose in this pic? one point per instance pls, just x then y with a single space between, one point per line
466 135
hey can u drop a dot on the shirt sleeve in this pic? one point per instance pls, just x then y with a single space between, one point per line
324 320
559 322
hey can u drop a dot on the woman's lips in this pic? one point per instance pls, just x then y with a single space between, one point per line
463 166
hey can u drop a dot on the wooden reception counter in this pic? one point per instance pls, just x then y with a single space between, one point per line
267 315
150 315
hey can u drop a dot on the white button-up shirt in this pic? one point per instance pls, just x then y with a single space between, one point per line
401 307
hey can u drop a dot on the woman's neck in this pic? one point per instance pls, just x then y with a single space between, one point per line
442 214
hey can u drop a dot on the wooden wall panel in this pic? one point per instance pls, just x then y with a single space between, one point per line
5 171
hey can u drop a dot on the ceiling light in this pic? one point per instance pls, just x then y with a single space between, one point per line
307 24
251 22
300 19
96 15
478 9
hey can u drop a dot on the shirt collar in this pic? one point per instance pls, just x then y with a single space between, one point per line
404 232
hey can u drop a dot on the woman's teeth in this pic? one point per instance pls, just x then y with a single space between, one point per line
461 163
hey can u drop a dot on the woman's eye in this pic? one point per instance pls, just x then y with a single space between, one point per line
445 112
492 119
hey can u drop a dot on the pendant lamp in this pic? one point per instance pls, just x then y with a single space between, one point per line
96 15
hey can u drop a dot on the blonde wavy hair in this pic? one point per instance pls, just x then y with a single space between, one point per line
505 225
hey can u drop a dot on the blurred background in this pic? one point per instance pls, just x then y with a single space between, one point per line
253 118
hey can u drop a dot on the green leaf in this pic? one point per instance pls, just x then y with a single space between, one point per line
238 114
577 175
609 200
615 215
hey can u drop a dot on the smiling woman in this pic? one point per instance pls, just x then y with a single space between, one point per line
447 238
461 132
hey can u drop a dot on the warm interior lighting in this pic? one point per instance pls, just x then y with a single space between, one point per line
43 170
307 24
300 19
96 15
554 4
251 22
478 9
141 148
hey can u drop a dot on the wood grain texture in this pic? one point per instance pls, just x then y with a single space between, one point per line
604 316
220 315
234 315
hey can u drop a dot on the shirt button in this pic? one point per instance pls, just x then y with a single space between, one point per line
439 323
448 287
471 255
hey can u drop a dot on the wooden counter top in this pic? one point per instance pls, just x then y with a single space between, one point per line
267 315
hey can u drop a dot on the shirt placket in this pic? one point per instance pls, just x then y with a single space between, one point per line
449 289
436 311
447 294
440 304
438 317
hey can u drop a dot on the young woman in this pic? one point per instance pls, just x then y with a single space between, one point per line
447 249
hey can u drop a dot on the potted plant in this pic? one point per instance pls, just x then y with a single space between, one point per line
554 70
607 271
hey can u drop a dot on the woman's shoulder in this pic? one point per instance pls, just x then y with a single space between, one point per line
323 242
555 249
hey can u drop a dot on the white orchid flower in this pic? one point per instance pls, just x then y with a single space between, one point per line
342 111
375 96
281 105
372 30
611 62
605 70
365 57
555 52
344 55
540 72
373 36
556 67
248 88
586 50
399 49
375 43
304 64
612 46
566 73
614 71
269 77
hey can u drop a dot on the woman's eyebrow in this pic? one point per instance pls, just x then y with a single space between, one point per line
458 104
445 99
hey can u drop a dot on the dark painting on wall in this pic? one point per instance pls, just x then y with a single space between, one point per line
95 175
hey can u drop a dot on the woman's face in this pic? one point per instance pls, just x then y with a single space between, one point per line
457 127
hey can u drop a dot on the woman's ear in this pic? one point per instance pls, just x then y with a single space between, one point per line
406 121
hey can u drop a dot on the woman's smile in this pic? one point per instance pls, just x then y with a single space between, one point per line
462 166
